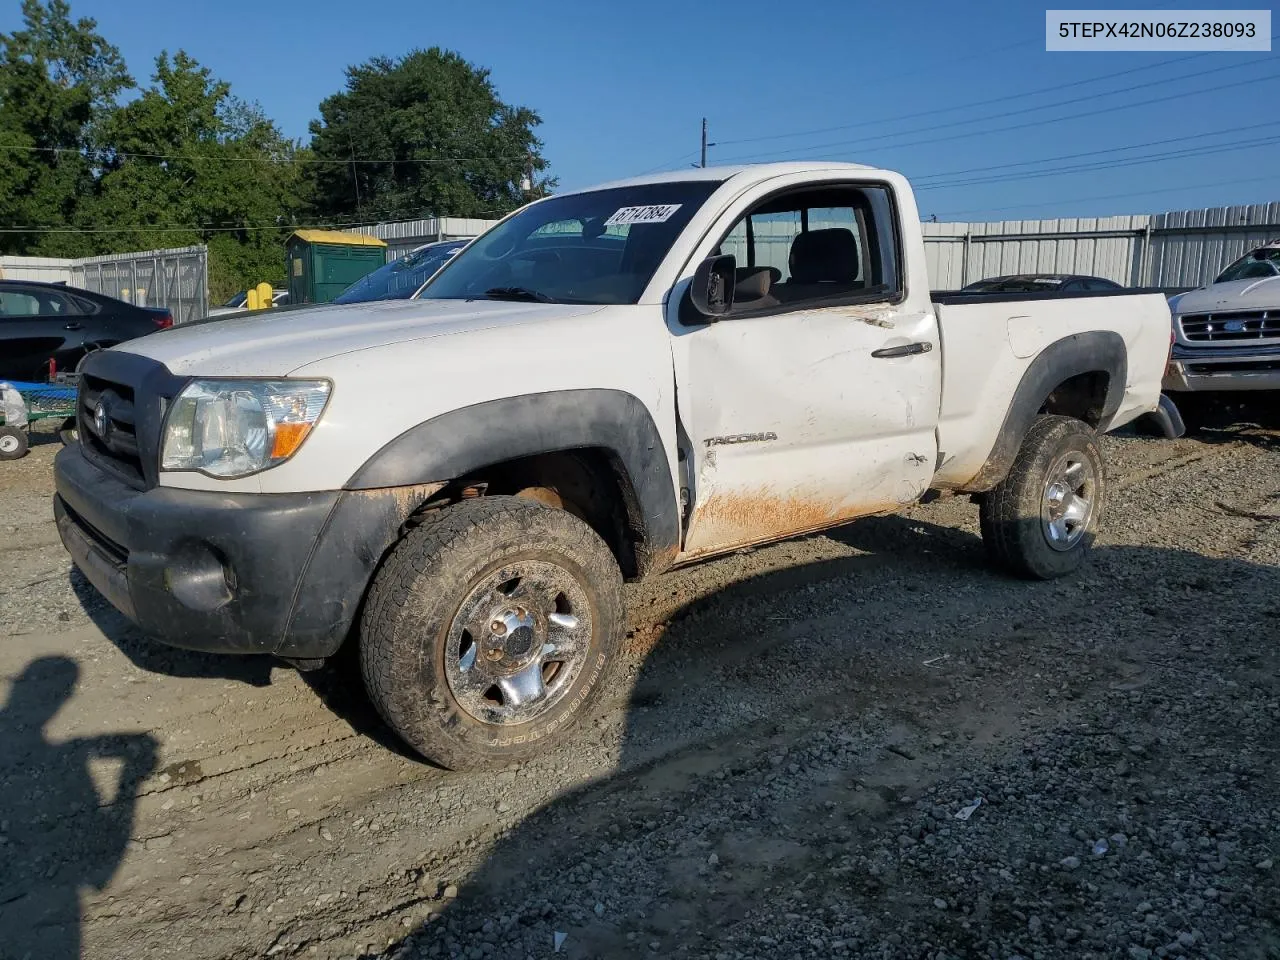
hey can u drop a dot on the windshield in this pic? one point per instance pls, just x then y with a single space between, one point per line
238 300
1258 265
597 247
400 279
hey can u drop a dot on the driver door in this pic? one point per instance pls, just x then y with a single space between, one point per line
816 399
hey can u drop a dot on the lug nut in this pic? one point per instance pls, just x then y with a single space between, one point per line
494 654
498 627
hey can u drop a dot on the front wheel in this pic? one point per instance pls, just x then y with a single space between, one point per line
490 628
1041 519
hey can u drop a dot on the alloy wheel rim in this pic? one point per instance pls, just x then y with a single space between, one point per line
518 642
1069 500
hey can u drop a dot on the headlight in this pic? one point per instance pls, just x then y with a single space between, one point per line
232 428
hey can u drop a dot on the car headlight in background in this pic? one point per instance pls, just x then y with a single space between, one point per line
233 428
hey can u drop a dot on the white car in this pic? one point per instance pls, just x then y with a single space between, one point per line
1227 334
605 384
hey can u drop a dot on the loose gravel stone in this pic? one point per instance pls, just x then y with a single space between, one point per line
735 793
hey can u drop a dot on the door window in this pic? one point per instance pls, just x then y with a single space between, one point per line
21 304
816 247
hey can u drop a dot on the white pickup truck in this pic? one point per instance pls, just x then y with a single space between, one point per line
607 383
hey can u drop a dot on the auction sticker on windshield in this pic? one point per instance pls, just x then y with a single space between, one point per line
654 213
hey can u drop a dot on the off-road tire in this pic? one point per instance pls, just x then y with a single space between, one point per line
13 443
1012 527
416 594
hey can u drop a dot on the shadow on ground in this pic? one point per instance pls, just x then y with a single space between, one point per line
338 686
784 734
1231 417
58 834
155 657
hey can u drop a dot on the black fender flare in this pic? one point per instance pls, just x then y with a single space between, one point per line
1098 351
461 441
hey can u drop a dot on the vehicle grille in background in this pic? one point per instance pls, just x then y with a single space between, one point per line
112 437
1243 325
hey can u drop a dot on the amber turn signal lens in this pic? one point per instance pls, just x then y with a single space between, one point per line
288 438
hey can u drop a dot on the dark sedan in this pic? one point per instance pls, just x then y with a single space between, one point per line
1032 282
43 322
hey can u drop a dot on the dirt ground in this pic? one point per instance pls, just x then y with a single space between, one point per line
776 771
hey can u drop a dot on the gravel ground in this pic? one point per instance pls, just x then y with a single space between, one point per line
777 771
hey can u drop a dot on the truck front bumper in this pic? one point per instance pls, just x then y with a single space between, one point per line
242 573
1222 369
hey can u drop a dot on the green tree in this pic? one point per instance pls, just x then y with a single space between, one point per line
189 163
59 80
416 117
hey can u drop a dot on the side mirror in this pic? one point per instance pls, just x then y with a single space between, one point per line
712 288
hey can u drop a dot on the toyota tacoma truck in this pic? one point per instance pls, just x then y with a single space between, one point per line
1227 334
605 384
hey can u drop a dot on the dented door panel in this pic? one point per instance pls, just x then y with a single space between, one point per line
794 426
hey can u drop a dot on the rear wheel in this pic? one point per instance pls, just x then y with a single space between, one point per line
13 443
1040 521
490 628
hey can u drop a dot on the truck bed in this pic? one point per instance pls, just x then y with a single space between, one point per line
990 341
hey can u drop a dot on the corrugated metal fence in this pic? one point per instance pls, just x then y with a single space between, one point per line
42 269
403 236
177 278
1180 249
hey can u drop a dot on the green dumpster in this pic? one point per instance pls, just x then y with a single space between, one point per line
322 263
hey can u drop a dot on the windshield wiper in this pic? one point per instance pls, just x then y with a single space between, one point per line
517 293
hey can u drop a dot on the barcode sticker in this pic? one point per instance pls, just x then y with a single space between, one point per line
654 213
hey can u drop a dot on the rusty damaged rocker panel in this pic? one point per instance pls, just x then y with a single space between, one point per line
243 573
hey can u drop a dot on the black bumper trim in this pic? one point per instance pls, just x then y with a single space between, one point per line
230 572
99 564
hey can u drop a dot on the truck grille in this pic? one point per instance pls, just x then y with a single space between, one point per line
1235 327
108 430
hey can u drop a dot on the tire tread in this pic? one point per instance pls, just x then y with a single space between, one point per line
423 556
1010 514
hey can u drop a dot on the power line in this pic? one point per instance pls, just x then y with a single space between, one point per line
183 228
273 160
980 103
1021 126
1111 196
1108 164
667 163
966 106
1093 153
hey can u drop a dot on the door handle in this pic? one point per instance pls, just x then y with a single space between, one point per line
902 350
73 326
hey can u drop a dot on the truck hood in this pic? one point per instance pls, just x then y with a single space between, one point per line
1258 294
275 343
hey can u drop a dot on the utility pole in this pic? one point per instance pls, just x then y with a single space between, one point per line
704 141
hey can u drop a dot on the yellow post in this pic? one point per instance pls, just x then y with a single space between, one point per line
251 299
264 295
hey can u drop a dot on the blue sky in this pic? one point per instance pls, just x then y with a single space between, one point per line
622 88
